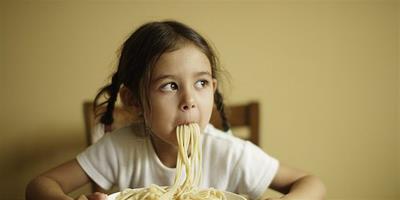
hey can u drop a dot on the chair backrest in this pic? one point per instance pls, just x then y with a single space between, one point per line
243 115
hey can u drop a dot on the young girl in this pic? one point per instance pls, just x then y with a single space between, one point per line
167 73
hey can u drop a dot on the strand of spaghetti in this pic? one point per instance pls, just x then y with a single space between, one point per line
184 155
193 157
198 164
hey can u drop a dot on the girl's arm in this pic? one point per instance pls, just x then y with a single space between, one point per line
56 183
297 185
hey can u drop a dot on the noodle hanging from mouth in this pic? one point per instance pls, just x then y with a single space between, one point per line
184 187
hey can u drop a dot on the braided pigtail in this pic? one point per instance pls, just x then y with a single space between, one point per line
111 93
219 102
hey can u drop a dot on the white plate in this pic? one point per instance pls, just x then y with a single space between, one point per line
229 196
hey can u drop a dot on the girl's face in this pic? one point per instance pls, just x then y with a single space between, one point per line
181 92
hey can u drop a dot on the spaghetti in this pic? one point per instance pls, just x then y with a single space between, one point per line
184 187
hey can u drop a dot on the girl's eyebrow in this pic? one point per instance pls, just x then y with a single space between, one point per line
207 73
170 76
166 76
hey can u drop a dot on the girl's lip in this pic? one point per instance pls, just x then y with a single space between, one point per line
185 122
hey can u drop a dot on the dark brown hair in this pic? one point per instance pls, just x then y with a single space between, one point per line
138 55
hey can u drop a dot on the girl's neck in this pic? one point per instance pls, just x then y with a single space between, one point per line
167 153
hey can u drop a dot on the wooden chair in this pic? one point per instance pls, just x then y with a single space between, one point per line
239 116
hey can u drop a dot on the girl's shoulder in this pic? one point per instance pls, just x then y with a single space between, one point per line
131 133
217 137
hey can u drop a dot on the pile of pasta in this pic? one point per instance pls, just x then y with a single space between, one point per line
184 187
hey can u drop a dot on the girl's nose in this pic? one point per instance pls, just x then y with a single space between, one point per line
188 106
188 102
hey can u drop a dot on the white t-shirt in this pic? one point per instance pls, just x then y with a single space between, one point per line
126 158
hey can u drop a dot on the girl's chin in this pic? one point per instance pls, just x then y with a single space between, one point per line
166 140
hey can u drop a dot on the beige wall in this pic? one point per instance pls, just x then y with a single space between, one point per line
325 72
398 96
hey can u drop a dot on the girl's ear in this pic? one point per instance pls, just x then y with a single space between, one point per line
127 98
214 84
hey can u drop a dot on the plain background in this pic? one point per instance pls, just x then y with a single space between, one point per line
325 72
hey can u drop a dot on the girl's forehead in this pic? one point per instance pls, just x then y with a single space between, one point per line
187 59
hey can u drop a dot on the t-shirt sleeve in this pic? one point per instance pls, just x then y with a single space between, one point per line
255 171
97 161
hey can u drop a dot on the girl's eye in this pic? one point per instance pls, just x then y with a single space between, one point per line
201 83
169 87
